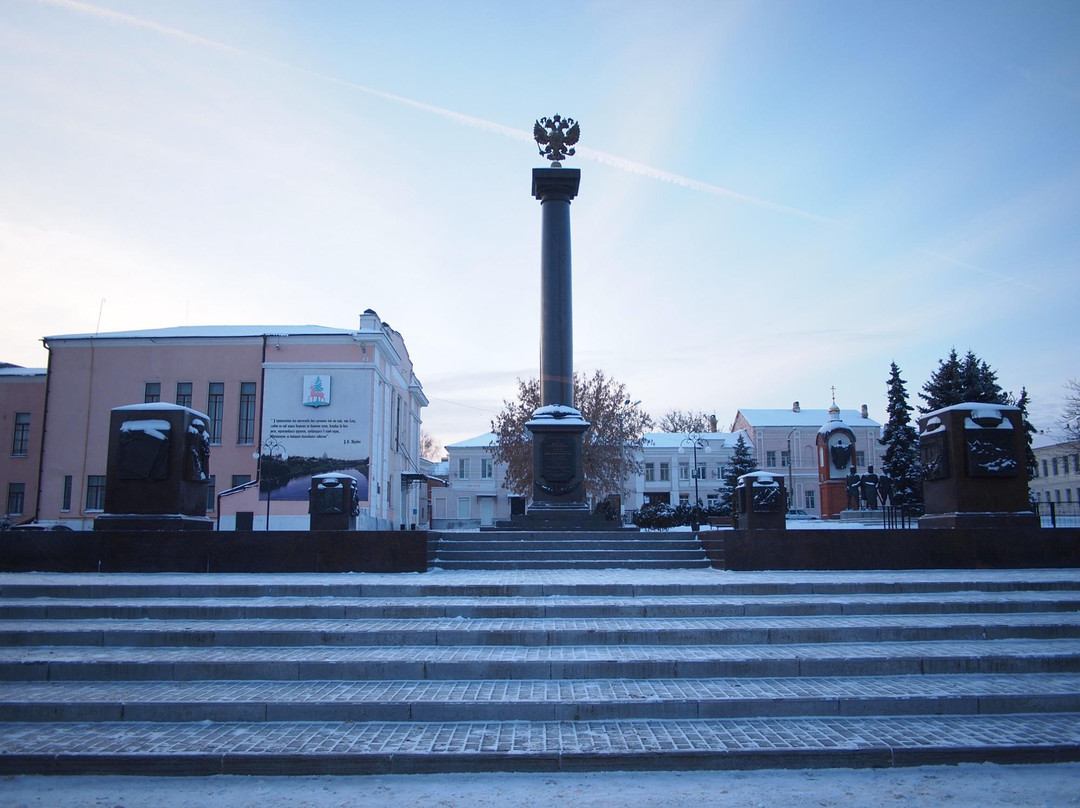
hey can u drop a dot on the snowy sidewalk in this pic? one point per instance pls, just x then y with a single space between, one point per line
963 786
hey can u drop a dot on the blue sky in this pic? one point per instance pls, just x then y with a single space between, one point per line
776 197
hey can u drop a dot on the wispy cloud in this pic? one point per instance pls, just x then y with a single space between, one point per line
472 121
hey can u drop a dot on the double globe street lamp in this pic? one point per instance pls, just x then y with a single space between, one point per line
270 447
695 442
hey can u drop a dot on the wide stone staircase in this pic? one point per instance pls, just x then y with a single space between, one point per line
535 670
521 550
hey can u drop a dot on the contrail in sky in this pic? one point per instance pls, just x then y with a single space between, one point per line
465 120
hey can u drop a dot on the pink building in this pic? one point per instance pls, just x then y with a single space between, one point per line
784 443
290 401
22 405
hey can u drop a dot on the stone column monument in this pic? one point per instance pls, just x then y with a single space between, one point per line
556 426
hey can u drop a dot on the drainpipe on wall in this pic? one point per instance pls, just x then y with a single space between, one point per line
44 426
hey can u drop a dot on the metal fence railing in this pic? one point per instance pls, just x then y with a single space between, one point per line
1058 514
898 517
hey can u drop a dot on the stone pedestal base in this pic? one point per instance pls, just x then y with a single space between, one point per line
140 521
834 499
552 519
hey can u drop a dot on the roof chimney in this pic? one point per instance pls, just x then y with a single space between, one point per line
865 412
795 407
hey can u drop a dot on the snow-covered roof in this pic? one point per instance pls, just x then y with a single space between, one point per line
15 371
211 332
804 417
973 405
481 441
673 440
1044 440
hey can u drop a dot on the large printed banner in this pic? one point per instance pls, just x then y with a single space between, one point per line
314 423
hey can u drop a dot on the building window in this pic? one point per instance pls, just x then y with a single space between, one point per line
211 493
860 459
245 433
665 472
486 468
808 499
1045 473
151 393
684 499
1054 465
16 499
463 468
700 473
95 492
183 394
215 408
463 508
684 470
770 458
20 440
240 479
785 459
65 503
1076 464
650 472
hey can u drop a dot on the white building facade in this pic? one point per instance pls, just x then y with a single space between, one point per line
1057 471
675 468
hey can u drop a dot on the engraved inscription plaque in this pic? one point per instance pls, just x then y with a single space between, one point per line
557 460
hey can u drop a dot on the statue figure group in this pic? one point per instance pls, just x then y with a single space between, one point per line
870 491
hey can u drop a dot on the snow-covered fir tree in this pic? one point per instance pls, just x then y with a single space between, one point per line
957 381
1029 432
742 462
900 463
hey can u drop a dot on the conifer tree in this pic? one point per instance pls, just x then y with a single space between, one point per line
742 462
1029 431
900 462
958 381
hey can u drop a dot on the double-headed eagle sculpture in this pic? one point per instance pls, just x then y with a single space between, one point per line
555 138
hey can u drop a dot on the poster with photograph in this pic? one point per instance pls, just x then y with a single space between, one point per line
315 421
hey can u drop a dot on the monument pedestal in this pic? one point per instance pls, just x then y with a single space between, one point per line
158 469
834 498
974 473
558 477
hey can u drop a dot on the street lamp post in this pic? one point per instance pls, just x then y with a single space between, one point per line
790 462
695 442
270 446
622 459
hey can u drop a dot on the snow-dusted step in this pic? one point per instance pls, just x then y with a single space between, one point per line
533 584
592 550
536 669
538 631
408 747
643 545
546 562
341 607
538 699
97 663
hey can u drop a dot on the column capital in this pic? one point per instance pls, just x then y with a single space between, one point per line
562 182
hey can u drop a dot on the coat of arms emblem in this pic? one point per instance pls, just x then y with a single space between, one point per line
316 391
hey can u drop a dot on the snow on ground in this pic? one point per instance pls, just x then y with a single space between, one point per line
983 785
